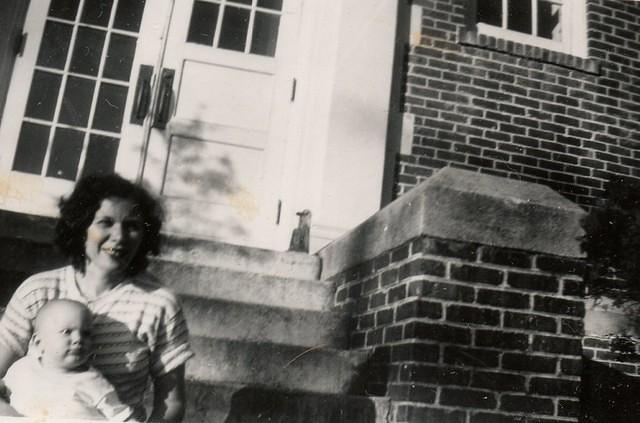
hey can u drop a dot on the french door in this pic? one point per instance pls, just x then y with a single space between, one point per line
190 96
216 148
70 97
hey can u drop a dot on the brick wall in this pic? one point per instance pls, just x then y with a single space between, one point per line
468 333
610 382
623 358
523 113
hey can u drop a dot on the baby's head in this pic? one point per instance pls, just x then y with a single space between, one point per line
61 335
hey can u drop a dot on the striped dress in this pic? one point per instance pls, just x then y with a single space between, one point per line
139 331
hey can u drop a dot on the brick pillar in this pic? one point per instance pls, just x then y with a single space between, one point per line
463 330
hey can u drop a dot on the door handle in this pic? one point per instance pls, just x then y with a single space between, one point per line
142 97
163 111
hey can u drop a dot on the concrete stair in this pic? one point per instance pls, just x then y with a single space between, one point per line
257 322
268 346
237 257
244 286
246 404
274 365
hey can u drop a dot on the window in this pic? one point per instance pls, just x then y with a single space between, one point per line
558 25
74 113
249 26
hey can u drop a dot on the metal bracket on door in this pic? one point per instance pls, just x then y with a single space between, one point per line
163 111
142 98
19 43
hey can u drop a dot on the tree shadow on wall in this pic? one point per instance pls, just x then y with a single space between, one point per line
608 395
199 179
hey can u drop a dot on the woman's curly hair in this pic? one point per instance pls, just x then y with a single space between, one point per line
79 208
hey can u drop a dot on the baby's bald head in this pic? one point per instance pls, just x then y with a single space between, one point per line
62 332
53 310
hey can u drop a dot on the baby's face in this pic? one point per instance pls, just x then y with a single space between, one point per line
64 337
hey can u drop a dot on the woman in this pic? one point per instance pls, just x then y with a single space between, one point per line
107 228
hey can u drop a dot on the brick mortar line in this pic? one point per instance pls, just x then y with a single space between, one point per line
479 285
478 261
443 319
509 310
528 375
483 410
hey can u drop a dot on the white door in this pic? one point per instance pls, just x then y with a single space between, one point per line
72 97
216 147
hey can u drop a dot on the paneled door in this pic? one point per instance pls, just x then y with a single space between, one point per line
218 136
72 100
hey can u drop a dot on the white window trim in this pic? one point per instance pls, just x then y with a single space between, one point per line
574 31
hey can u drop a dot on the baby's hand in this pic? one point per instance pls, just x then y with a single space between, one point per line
5 408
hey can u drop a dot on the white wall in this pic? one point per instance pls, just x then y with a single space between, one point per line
342 108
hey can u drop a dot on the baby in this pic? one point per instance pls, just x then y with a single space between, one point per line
54 379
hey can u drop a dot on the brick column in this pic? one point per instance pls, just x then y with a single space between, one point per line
462 330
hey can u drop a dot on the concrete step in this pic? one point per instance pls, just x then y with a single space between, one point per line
230 256
254 322
245 404
243 286
276 366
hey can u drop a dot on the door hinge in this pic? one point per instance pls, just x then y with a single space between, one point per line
19 43
278 212
294 84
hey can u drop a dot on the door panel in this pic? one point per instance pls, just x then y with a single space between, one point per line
228 90
211 171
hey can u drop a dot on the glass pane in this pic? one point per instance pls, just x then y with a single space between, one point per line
549 20
120 57
65 154
490 12
101 155
240 1
97 12
64 9
129 15
265 34
110 107
76 102
519 16
55 45
235 23
32 146
270 4
87 51
204 18
43 95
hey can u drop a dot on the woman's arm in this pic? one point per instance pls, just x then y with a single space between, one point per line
7 358
169 397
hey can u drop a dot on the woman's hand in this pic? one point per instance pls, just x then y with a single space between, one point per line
7 358
7 410
169 397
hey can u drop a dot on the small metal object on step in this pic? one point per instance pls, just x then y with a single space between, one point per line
300 236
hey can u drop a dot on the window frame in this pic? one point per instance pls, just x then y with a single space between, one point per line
573 21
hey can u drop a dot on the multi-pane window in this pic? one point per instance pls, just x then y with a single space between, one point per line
540 18
248 26
553 24
74 113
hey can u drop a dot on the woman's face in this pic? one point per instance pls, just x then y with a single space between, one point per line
114 235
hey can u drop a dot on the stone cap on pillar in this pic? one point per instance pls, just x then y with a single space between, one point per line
465 206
